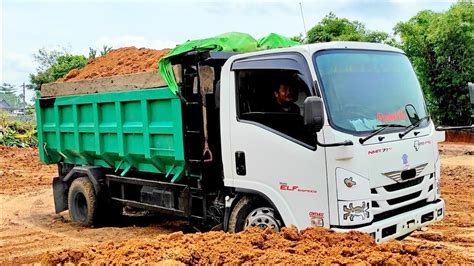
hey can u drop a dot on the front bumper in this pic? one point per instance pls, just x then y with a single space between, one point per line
403 223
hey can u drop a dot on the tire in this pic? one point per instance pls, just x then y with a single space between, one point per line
82 202
251 211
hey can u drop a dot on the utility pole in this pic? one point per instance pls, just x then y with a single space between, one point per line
24 94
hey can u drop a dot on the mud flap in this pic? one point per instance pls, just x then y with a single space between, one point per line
60 190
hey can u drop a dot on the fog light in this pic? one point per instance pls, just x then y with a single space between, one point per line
440 212
317 222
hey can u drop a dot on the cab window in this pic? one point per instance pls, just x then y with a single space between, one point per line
273 99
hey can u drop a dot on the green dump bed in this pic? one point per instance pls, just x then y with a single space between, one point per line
140 129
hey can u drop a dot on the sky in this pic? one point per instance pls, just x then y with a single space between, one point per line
27 26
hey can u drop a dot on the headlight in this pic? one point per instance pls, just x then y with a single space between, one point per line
354 199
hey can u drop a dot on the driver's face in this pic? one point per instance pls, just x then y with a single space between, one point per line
285 95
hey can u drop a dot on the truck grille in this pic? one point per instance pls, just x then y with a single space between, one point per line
389 200
407 184
404 198
391 213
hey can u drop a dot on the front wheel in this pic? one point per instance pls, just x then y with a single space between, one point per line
253 212
82 201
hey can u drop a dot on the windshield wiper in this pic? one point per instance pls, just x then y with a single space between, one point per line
378 131
413 126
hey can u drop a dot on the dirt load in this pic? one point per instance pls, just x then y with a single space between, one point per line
120 61
31 232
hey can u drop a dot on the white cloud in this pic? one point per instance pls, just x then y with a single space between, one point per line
16 67
133 40
20 62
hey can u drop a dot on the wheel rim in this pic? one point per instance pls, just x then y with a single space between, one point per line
262 218
80 206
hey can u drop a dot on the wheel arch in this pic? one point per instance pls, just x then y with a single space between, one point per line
94 174
274 199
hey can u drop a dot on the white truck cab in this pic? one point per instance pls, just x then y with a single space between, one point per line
362 153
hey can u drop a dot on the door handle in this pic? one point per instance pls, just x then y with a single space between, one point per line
240 163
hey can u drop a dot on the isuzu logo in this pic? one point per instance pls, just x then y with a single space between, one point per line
417 144
397 175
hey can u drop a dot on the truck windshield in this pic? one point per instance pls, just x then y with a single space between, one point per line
366 89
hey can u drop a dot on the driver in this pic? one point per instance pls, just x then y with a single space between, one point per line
285 97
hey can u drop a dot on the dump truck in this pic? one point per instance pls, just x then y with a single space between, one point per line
360 153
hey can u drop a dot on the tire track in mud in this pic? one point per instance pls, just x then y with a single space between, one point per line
29 228
24 235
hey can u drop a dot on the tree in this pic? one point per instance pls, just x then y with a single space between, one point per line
47 58
298 38
105 50
440 46
66 63
332 28
54 65
92 53
7 93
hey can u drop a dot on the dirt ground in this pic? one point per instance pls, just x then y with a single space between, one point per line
31 232
120 61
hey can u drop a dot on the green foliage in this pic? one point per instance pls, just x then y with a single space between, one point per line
441 48
17 133
47 58
105 50
65 64
54 65
332 28
92 53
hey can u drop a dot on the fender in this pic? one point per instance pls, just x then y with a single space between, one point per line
95 175
271 195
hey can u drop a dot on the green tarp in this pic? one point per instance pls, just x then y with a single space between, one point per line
227 42
274 40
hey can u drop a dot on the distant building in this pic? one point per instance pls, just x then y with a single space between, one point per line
4 106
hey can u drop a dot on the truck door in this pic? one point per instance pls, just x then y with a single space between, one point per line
272 154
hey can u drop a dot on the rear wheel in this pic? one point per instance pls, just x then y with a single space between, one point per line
82 202
253 212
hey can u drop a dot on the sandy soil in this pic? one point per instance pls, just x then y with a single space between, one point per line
21 171
120 61
30 230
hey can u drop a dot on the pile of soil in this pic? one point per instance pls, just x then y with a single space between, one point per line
21 170
120 61
30 228
466 136
310 246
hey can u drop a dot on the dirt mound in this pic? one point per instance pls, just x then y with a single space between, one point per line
310 246
120 61
21 170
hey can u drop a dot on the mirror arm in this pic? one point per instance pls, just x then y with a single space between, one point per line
336 144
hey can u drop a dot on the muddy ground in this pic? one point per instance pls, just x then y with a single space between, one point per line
30 231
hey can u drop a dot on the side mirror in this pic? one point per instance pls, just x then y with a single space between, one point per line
313 113
411 112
